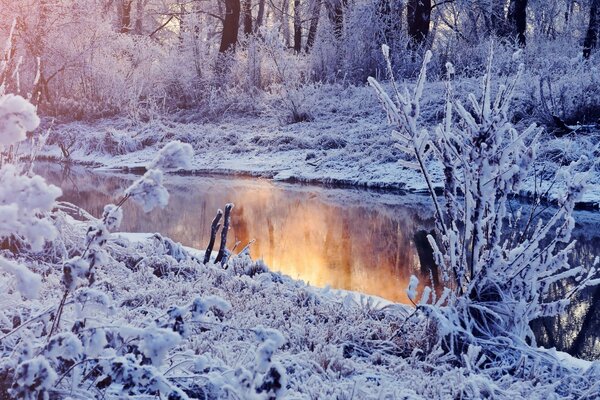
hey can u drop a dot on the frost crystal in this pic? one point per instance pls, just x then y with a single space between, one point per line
175 155
149 191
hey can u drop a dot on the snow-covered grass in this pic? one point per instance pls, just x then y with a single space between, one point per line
333 346
346 141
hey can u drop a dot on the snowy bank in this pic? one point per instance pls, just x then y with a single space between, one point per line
347 142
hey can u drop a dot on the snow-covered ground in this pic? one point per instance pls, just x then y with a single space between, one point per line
114 315
348 141
329 344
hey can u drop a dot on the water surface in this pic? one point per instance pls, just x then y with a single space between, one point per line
367 241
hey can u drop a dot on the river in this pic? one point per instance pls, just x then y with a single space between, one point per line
362 240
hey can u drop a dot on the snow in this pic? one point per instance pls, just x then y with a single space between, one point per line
112 217
411 291
175 155
149 191
28 283
35 373
348 142
22 200
17 117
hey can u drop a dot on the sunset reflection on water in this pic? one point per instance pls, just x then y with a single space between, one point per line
366 241
301 233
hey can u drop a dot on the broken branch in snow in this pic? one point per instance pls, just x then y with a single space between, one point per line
226 221
214 228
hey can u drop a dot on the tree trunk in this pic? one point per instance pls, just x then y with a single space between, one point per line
418 18
285 23
247 17
335 10
297 27
139 17
126 16
260 15
314 24
182 24
231 25
517 19
569 12
591 37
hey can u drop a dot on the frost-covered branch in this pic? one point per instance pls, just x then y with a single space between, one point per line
500 281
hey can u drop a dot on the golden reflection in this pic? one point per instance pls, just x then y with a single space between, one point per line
297 231
339 237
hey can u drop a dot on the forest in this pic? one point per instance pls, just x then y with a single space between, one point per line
84 60
299 199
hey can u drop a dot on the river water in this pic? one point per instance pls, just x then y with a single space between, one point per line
362 240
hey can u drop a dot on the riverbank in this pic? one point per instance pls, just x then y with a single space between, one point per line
350 147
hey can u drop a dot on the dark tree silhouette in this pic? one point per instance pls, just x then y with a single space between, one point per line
314 24
126 16
335 9
517 20
297 27
231 25
591 37
247 17
418 18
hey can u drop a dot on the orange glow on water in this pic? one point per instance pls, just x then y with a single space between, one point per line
300 233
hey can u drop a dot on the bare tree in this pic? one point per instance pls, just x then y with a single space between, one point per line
517 20
124 12
591 36
260 15
297 27
335 10
138 28
285 26
247 17
314 24
231 25
418 18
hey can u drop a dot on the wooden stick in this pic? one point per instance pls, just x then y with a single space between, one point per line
214 228
228 208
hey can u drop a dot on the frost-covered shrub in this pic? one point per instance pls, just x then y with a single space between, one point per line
149 191
24 200
17 117
173 156
498 265
33 379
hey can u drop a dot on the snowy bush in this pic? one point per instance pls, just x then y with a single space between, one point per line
499 265
25 200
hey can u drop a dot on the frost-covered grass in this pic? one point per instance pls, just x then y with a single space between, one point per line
346 141
334 346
